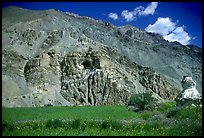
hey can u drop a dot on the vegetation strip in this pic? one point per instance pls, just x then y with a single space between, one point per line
166 120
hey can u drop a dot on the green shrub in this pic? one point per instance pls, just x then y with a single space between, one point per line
53 123
189 112
76 123
6 125
31 125
105 124
172 113
165 106
116 125
186 127
91 124
186 112
111 124
144 101
146 114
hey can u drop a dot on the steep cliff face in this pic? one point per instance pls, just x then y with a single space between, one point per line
49 57
91 78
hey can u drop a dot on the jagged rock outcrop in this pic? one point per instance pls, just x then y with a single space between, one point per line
190 94
55 58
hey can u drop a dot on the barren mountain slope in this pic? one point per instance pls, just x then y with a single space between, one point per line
51 57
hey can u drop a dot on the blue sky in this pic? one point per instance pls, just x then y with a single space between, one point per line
175 21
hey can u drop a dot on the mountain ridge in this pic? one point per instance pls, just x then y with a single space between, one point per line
53 36
103 22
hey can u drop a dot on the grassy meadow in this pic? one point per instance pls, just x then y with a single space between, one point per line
106 120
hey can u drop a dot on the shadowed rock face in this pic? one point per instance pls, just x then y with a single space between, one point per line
49 57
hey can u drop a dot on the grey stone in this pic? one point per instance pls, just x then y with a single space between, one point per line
133 108
190 94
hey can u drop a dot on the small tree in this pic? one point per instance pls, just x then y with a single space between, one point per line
143 101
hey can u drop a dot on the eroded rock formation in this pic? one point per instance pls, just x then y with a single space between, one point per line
190 94
62 59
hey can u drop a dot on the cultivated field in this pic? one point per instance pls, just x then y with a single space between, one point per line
107 120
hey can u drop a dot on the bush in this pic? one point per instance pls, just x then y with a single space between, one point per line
186 112
172 113
54 123
165 106
143 101
146 114
116 125
189 112
111 124
186 127
6 125
105 124
76 123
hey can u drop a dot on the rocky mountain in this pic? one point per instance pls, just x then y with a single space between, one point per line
54 58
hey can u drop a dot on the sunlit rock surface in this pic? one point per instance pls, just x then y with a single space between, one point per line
55 58
190 94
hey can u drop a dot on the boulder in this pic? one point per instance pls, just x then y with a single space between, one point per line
133 108
190 94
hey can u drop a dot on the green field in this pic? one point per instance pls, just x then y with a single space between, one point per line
112 120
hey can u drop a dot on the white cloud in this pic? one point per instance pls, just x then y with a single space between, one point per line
178 35
114 16
129 16
139 11
150 9
162 26
193 38
169 30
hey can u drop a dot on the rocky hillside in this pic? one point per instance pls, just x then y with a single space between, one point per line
55 58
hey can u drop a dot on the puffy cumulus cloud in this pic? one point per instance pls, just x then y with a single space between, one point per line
150 9
129 16
162 26
139 11
178 35
114 16
169 30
